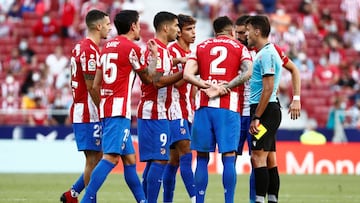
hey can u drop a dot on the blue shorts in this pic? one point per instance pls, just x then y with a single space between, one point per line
154 139
88 136
116 136
213 126
244 134
179 130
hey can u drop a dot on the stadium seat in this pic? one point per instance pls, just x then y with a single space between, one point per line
22 31
248 4
147 35
351 55
321 120
333 6
305 93
321 114
40 48
51 41
30 16
311 51
313 102
42 57
8 40
144 26
291 8
6 50
15 119
108 2
322 93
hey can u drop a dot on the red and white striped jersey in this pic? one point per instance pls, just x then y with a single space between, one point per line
120 59
181 106
154 102
244 89
219 60
84 60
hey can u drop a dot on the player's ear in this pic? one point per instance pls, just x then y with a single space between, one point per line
98 26
165 27
133 26
232 32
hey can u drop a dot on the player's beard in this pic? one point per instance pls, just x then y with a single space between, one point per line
172 39
244 42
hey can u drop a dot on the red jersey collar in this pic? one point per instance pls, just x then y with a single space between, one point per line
162 45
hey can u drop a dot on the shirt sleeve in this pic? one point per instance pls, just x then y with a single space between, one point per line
268 63
89 60
137 59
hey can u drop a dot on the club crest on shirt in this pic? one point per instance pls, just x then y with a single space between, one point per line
97 142
162 151
183 131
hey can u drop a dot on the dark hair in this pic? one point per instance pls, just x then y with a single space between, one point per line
185 20
93 16
124 19
163 17
242 20
260 22
221 23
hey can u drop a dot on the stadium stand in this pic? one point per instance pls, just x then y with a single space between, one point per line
316 100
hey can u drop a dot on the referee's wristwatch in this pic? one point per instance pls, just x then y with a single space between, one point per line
255 117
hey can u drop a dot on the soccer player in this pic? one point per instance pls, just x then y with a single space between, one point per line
84 112
294 109
114 79
244 91
265 108
153 123
217 120
180 114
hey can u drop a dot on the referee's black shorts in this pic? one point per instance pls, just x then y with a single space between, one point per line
271 119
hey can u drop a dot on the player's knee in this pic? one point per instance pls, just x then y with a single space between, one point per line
113 158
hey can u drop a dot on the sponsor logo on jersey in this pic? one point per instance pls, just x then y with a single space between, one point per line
92 65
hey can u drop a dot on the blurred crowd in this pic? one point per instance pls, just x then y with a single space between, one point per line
322 37
36 39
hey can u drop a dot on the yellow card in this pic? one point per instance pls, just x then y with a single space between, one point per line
262 131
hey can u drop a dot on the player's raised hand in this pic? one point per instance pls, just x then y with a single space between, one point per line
152 46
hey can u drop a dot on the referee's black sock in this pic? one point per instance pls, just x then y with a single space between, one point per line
261 183
274 185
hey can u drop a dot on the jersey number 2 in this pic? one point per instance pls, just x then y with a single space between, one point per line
214 65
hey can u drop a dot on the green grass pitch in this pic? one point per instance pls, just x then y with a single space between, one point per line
41 188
